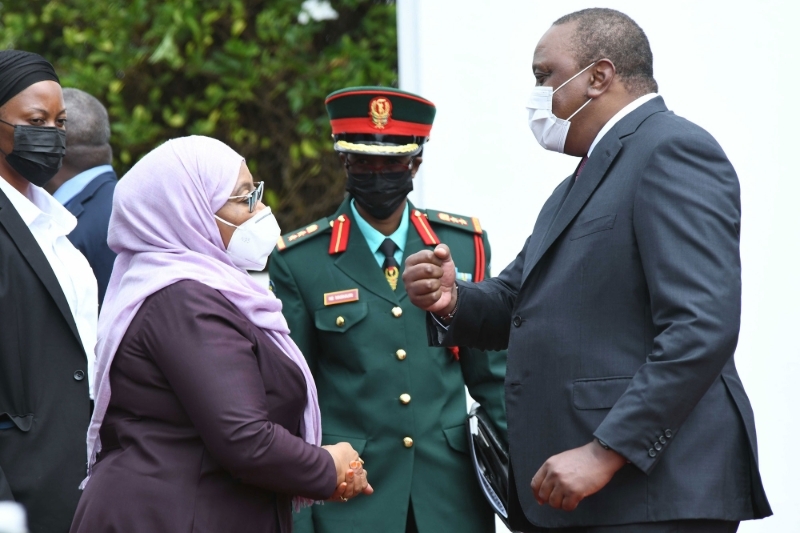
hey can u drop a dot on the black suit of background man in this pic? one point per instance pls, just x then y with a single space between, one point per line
620 314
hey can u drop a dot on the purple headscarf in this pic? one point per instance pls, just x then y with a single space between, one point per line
163 229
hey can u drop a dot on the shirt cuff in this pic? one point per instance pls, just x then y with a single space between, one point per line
441 328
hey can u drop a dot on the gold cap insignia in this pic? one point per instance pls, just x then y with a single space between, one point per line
380 109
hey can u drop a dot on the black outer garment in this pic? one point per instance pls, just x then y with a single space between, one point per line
44 388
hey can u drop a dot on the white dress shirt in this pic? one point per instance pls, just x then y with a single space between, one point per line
50 223
619 116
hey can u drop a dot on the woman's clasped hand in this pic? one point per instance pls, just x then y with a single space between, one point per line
350 473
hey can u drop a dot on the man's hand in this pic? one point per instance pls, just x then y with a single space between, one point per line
567 478
430 278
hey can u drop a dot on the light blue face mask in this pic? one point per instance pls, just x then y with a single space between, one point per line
549 130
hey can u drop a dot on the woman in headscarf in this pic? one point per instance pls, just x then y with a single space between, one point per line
206 416
48 304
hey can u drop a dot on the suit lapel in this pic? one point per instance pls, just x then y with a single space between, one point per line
358 263
75 206
593 173
545 221
30 250
581 190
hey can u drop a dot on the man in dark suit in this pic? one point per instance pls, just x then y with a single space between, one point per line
85 184
621 312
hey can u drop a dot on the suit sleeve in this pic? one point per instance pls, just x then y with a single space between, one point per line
201 348
484 373
483 317
300 320
102 258
686 222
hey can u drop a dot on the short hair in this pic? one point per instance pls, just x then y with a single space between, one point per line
88 131
603 33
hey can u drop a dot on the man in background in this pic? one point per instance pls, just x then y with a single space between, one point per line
85 184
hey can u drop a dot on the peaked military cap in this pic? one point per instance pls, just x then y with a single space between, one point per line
379 121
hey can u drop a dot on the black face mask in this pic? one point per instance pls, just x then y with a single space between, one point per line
380 194
37 152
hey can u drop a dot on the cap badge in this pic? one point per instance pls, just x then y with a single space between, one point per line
380 109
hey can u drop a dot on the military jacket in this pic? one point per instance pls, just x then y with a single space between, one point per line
399 402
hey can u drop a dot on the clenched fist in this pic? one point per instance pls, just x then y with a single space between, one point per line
430 278
569 477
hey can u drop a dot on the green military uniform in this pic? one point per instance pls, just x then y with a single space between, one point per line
399 402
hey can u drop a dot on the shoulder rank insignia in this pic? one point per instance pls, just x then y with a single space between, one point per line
470 224
423 227
297 236
340 234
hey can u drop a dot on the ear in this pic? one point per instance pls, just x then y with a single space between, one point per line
417 161
603 74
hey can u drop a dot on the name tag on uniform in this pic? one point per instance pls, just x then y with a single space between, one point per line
340 297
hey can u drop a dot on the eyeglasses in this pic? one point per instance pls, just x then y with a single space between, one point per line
253 197
369 170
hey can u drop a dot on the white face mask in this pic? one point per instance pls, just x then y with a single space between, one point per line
253 241
549 130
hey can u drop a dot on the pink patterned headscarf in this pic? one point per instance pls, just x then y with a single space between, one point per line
163 229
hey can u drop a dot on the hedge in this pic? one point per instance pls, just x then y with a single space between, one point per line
253 74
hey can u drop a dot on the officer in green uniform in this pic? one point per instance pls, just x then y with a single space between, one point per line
399 402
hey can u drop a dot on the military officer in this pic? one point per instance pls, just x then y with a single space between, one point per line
399 402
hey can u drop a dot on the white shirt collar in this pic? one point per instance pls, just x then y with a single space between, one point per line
619 116
39 203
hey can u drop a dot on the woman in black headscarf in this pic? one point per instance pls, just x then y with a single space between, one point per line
48 304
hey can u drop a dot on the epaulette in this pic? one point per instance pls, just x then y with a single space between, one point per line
295 237
471 225
340 234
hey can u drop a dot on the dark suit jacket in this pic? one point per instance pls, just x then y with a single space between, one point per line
44 393
92 208
621 317
201 435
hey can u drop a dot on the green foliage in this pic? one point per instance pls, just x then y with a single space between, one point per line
243 71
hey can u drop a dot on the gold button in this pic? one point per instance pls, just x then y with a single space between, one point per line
408 442
340 321
401 354
405 399
397 312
